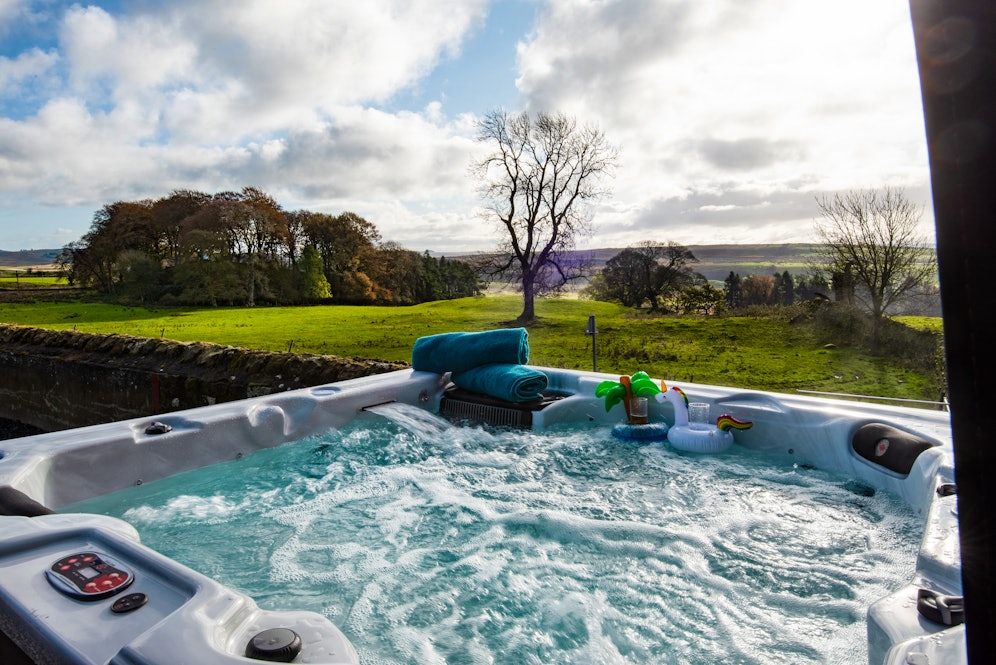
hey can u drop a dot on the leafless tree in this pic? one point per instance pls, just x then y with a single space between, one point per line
871 239
538 183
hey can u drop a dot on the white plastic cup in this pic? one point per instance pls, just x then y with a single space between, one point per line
698 415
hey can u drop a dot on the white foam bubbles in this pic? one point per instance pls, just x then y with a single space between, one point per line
186 508
563 548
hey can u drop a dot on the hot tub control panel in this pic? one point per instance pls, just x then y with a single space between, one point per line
78 588
89 576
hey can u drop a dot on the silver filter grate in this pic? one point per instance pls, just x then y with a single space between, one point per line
486 414
462 405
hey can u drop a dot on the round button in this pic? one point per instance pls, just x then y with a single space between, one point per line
279 645
128 603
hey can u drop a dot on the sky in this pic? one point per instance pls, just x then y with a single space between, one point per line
730 117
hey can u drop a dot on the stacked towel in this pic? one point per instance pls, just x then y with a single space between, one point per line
512 383
490 362
458 352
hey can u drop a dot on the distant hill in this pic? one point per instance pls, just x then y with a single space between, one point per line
28 258
717 261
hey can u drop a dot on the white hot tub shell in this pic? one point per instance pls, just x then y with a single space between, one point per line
188 617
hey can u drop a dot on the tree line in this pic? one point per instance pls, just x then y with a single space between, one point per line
780 288
873 258
243 248
660 277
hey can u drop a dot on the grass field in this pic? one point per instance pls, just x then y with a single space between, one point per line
10 279
760 353
931 323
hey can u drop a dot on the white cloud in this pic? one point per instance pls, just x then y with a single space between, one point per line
124 57
730 116
412 173
218 71
415 227
215 95
725 98
8 10
32 64
331 53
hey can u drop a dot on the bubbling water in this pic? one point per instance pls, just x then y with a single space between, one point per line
462 546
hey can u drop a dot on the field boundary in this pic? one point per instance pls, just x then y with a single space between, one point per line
61 379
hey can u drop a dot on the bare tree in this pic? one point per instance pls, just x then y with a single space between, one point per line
870 239
538 183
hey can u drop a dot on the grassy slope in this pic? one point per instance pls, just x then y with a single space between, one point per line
932 323
767 353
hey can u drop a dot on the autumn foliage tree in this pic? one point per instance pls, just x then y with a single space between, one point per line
240 248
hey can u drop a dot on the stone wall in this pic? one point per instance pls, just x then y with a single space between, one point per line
60 379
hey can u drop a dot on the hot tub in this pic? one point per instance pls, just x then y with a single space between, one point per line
176 613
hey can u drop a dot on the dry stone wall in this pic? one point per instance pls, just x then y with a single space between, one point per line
60 379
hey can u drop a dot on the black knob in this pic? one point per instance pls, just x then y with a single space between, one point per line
158 428
947 489
277 645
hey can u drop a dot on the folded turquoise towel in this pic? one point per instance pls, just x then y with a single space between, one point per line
457 352
512 383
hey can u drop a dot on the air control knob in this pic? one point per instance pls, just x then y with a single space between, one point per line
277 645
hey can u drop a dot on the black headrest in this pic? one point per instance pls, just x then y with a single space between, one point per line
14 502
889 447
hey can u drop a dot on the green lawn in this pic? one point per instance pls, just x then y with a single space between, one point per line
759 353
9 280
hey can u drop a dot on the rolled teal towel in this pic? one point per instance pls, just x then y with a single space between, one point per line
460 351
512 383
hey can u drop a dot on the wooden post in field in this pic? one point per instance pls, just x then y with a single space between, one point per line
592 331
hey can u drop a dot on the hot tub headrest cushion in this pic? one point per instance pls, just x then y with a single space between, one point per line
889 447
